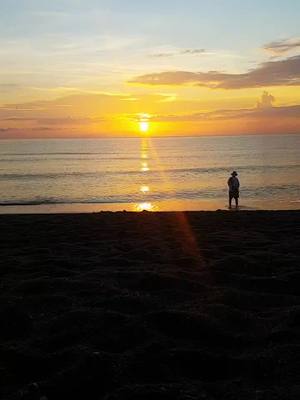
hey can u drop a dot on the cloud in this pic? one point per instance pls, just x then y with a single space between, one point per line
247 113
179 53
266 101
272 73
63 121
8 90
42 128
15 119
264 109
79 108
8 86
55 121
67 107
98 115
280 47
193 51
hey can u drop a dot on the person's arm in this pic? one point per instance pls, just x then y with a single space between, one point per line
238 183
229 182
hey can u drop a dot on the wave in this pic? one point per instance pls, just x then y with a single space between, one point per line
61 153
10 203
268 192
35 159
97 174
45 175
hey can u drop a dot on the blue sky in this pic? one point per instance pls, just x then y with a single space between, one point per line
121 35
229 23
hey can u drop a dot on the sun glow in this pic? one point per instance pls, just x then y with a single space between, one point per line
144 189
145 207
144 126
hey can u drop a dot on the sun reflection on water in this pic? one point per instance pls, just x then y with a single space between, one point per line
146 206
145 167
145 189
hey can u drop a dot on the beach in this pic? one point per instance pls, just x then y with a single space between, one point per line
168 305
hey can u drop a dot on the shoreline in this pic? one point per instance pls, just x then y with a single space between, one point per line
153 206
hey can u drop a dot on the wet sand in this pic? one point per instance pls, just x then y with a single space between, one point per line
164 306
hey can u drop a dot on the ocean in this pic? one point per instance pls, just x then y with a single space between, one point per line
148 173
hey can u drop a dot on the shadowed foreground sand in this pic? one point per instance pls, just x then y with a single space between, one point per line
164 306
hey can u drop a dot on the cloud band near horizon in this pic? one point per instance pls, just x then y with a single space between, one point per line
272 73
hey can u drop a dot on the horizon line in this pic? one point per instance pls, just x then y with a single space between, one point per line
153 136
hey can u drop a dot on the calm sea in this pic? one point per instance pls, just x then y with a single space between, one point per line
149 172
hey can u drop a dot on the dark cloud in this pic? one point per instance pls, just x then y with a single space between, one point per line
193 51
179 53
63 121
272 73
271 112
8 132
266 100
282 46
263 109
8 85
16 119
42 128
162 55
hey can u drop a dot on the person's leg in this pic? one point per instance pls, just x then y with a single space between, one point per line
230 200
236 202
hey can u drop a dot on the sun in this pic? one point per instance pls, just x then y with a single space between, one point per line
144 126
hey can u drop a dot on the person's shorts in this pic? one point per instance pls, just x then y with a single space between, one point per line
234 194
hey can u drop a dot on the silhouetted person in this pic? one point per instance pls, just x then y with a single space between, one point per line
234 189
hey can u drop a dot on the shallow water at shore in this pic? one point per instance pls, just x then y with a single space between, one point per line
150 173
146 206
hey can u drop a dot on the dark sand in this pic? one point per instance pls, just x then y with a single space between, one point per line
162 306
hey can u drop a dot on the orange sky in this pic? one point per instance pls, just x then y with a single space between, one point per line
169 113
95 71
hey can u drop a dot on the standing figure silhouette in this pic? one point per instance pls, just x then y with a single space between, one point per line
234 189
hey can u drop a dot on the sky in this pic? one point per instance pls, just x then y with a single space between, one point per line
74 68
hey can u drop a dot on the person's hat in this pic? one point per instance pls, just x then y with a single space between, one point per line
234 173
